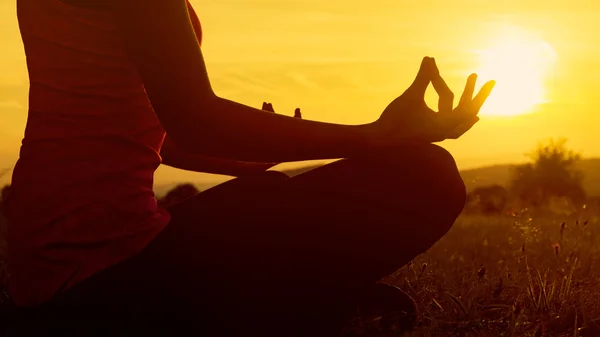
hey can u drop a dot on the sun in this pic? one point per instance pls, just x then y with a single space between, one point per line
520 63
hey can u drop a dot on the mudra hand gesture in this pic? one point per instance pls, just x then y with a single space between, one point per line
408 118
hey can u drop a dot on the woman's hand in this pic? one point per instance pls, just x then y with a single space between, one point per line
408 118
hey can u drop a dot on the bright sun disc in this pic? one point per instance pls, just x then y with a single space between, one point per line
519 65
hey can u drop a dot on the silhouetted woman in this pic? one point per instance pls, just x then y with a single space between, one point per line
119 86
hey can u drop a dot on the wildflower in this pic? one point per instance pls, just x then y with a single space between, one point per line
557 248
481 272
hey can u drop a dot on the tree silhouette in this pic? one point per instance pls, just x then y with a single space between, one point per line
4 195
178 194
551 174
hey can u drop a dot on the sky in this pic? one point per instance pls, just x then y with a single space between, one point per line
344 61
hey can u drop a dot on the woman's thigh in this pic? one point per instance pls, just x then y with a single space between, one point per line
314 238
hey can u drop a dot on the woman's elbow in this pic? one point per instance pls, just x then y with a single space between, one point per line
188 142
188 131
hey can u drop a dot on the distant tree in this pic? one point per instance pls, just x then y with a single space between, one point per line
5 189
4 195
178 194
551 174
489 200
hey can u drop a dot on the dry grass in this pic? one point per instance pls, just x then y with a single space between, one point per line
509 276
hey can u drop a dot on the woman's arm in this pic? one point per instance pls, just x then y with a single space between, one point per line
173 156
162 42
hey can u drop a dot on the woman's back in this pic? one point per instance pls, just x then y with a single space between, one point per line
81 197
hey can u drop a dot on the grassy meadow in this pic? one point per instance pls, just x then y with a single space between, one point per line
509 275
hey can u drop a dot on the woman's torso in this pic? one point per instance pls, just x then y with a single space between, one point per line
81 195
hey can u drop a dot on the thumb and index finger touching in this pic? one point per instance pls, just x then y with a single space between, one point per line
423 78
429 73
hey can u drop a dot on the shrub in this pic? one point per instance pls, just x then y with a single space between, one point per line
551 174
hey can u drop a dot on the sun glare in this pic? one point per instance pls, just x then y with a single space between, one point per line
520 64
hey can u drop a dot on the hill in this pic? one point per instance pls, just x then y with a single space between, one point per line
500 174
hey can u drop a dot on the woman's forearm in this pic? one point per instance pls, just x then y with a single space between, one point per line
204 164
235 131
177 158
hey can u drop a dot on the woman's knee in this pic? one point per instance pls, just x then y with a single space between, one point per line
429 194
444 173
447 191
430 173
440 174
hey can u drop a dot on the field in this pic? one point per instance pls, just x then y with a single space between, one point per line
509 275
516 275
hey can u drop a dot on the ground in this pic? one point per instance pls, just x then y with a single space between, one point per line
514 275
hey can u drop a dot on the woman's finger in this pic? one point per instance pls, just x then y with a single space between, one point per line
446 100
463 128
467 95
482 96
452 120
421 82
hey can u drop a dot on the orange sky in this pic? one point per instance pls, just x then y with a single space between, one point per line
344 61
